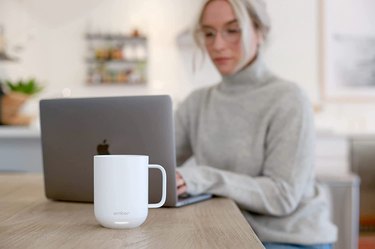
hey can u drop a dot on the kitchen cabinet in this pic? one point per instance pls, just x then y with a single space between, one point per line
20 149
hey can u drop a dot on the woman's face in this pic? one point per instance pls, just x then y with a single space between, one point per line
222 36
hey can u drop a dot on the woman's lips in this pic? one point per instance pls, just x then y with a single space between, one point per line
221 60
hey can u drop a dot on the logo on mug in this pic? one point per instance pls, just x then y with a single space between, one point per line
121 213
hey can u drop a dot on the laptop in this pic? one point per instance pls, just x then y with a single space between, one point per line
73 130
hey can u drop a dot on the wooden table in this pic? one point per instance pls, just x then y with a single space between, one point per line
29 220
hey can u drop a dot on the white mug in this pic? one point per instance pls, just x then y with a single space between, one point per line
121 190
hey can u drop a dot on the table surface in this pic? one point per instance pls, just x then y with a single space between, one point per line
29 220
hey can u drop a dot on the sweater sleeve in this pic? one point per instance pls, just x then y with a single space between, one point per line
287 166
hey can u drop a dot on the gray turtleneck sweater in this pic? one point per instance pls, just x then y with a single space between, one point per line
252 138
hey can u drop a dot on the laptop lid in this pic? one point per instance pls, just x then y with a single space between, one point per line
74 130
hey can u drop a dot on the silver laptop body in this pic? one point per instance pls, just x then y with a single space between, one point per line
73 130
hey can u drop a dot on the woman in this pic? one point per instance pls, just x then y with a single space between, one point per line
252 135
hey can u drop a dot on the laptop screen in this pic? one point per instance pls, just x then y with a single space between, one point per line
73 130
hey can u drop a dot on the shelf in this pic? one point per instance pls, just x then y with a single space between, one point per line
116 61
123 83
19 132
114 37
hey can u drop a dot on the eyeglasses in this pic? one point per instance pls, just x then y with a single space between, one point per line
229 34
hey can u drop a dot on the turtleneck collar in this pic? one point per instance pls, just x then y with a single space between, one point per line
250 77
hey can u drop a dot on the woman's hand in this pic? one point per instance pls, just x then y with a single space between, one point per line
181 184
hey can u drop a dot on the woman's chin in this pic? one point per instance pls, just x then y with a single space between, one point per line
225 71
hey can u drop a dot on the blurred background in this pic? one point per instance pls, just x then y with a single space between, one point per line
86 48
51 43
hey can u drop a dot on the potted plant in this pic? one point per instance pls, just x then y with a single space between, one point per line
18 92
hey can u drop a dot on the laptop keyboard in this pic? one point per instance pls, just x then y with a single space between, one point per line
184 196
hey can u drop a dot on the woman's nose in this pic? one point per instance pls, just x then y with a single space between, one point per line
219 43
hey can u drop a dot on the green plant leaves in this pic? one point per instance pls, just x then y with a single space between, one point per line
29 87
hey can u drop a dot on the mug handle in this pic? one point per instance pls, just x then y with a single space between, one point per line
164 186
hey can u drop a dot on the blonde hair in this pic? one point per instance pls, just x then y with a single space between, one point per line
248 12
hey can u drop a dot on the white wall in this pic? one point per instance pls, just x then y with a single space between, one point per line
52 34
293 50
53 38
